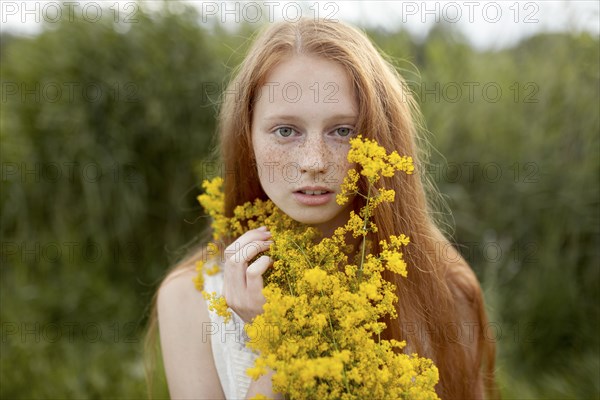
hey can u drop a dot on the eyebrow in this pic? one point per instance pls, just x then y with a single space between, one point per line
285 117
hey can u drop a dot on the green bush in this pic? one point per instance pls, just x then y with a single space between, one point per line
103 131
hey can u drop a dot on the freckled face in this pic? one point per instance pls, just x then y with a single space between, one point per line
301 125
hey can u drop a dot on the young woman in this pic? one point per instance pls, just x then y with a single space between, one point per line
302 91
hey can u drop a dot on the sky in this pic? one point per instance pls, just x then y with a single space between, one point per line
486 24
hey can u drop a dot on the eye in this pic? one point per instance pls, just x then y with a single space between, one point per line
285 131
344 131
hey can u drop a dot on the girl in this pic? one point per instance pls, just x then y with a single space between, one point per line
302 91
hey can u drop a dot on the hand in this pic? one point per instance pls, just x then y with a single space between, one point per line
243 283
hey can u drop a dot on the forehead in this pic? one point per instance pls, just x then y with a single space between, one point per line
307 83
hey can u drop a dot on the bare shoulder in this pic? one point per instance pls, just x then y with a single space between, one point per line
178 287
183 319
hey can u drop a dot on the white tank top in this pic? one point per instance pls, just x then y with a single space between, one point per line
230 354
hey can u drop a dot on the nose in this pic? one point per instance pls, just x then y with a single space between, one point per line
314 155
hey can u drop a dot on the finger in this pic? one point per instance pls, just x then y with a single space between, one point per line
233 278
246 254
234 248
240 253
250 251
252 235
254 279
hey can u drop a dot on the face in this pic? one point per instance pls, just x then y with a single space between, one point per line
301 125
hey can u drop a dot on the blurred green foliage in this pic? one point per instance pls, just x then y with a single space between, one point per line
104 131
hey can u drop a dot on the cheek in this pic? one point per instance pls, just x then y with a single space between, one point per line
340 158
265 152
338 167
269 163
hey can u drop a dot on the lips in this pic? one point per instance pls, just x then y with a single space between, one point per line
314 192
313 195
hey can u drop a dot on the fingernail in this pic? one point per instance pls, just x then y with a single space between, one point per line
262 228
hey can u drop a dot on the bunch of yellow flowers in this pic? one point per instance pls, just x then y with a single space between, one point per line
321 326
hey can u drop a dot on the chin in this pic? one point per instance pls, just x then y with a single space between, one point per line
309 221
312 220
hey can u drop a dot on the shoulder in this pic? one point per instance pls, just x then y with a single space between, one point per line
178 287
184 325
179 302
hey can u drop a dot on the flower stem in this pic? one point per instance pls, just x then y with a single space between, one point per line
336 347
364 241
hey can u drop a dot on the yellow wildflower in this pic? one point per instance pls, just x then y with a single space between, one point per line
374 160
394 261
199 282
315 277
325 300
349 186
217 304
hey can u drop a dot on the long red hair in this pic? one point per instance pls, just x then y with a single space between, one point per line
441 312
